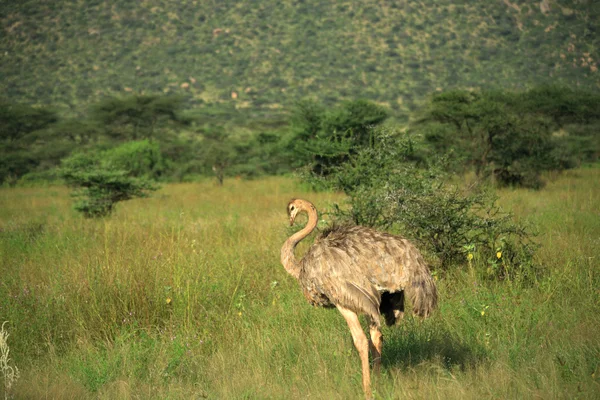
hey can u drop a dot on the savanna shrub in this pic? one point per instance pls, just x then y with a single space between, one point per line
140 158
100 182
19 126
494 132
138 116
324 138
386 189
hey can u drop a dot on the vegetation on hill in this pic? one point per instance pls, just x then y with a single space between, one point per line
267 55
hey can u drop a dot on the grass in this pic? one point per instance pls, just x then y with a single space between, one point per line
182 296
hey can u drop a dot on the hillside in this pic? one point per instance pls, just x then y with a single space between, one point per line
268 55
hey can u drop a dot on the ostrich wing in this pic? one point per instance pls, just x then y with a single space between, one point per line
332 276
352 266
363 299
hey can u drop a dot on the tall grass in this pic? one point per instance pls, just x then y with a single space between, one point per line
182 296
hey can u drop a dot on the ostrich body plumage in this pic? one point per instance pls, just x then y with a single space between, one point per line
360 270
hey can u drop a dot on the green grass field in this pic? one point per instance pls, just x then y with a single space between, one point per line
182 296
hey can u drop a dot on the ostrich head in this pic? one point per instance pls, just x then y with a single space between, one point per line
296 206
293 208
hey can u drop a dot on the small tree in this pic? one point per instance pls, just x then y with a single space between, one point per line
217 151
20 125
139 116
492 133
325 138
100 182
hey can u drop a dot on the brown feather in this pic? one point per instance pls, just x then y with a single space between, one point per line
353 265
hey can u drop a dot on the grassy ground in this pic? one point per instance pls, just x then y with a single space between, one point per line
182 296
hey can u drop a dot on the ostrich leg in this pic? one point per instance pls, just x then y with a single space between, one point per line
362 345
376 345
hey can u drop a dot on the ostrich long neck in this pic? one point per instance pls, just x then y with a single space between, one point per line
288 259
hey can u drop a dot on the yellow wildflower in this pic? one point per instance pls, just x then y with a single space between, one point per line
499 254
482 313
168 300
469 256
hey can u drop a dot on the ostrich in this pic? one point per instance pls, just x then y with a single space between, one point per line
359 270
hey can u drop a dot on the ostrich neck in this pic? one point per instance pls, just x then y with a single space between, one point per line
288 259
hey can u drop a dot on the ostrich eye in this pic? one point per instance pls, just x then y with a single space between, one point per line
292 208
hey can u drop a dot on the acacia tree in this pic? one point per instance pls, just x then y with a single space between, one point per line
486 130
217 152
19 125
325 138
17 120
561 104
137 117
103 179
573 114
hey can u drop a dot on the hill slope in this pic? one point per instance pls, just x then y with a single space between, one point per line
269 54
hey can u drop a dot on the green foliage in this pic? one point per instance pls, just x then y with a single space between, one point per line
77 131
273 53
14 163
40 178
325 138
142 159
217 152
385 189
137 117
509 136
575 121
578 144
262 154
562 104
19 126
103 179
18 120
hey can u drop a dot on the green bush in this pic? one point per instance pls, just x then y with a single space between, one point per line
138 116
40 178
325 138
513 137
387 190
100 182
141 158
19 126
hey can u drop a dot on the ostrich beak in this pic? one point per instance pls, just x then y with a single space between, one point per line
293 217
